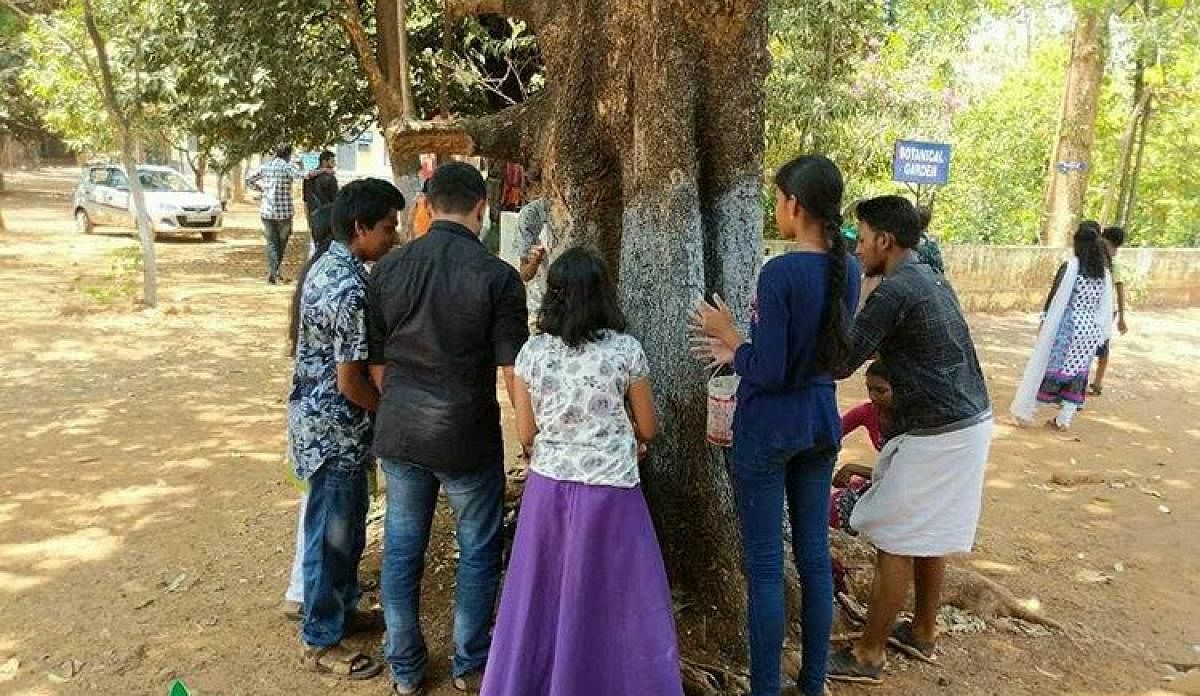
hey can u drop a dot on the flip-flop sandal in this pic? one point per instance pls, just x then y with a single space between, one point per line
845 667
1095 391
902 639
341 662
469 683
417 690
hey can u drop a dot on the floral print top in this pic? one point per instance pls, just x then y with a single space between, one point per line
323 425
584 431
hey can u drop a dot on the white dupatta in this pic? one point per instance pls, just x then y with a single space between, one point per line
1024 403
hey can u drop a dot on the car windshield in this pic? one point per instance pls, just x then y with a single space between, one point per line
164 181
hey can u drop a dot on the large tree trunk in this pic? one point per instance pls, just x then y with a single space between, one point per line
1071 159
130 148
1118 188
655 162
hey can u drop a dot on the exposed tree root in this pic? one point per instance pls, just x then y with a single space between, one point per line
710 680
964 588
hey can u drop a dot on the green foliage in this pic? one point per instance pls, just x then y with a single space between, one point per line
985 76
122 281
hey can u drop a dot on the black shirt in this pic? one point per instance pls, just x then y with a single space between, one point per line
443 313
319 190
914 321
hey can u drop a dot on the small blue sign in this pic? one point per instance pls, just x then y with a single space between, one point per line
309 160
915 162
1068 166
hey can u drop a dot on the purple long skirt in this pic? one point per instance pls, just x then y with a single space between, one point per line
586 608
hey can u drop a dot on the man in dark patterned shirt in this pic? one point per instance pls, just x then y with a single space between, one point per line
330 417
925 497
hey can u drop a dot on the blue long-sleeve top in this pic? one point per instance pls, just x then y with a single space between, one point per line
782 401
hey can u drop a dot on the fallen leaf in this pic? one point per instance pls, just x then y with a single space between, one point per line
177 582
1164 509
1119 567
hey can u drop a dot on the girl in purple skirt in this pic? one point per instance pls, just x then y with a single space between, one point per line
586 608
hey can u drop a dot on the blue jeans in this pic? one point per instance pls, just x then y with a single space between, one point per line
335 534
477 499
277 233
762 476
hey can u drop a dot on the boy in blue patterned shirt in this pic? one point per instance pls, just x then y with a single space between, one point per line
330 415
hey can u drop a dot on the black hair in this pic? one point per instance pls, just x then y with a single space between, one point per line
283 151
815 182
1093 257
364 201
924 217
895 215
326 156
581 299
456 188
1115 234
879 369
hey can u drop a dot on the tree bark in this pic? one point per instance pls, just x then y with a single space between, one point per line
129 148
1071 161
1129 204
656 162
1118 188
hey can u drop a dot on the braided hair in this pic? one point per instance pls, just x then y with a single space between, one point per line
815 182
1093 257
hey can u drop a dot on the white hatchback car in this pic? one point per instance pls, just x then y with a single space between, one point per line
174 205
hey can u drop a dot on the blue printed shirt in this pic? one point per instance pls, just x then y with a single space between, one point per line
324 427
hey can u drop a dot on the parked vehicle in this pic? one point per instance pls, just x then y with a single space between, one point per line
173 204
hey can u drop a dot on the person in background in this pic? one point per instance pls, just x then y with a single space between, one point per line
586 606
1114 239
422 215
874 415
1076 320
928 250
445 315
786 429
927 484
319 189
535 239
330 423
274 180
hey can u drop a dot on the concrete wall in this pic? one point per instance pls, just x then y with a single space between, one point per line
1017 278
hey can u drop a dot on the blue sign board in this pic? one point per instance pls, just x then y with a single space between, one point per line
1068 166
309 160
915 162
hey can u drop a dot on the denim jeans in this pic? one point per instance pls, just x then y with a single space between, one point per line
477 499
762 477
335 534
277 233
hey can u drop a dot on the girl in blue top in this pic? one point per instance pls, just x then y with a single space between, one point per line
786 430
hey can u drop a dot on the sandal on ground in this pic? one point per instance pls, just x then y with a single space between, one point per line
902 639
470 682
417 689
341 662
845 667
1095 390
1053 425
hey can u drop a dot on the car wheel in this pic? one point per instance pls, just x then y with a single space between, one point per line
210 236
83 224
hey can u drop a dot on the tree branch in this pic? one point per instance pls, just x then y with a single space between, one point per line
387 97
513 134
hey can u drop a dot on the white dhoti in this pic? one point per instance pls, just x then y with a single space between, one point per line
926 492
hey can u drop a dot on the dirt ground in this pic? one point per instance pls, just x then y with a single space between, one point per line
146 524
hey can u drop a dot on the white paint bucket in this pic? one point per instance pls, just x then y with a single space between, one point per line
722 402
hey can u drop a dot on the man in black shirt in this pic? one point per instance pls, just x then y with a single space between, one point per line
320 187
443 315
925 496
